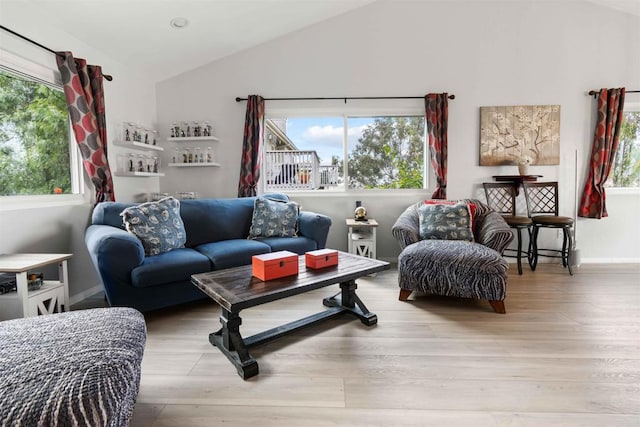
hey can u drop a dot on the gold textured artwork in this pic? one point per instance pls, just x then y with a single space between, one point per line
522 134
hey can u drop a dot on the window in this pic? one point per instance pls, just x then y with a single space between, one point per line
36 157
308 153
625 171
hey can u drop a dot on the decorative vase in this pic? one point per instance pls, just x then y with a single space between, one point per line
523 169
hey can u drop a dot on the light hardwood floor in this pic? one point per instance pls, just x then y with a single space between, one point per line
567 353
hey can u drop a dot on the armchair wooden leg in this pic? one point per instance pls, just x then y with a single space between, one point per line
498 307
404 294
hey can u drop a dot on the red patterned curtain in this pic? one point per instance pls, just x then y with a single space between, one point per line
251 146
603 152
437 113
85 101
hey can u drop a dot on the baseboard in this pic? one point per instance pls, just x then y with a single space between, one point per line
391 260
544 260
81 296
611 260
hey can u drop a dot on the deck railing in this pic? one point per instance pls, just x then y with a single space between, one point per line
297 170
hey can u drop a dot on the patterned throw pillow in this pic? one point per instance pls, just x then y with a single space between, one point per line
274 218
157 224
445 222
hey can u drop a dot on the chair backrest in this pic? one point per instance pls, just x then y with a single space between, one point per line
501 197
541 197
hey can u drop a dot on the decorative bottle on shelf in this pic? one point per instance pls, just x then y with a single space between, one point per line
209 155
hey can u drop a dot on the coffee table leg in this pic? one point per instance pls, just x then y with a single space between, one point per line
350 301
230 342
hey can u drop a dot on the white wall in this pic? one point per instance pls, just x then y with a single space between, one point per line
486 53
60 227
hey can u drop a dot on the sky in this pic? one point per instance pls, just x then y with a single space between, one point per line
325 134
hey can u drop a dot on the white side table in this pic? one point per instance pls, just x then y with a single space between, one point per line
52 297
362 237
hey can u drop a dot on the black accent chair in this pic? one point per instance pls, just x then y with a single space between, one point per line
542 207
501 197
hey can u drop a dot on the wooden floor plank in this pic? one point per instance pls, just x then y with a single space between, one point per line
567 353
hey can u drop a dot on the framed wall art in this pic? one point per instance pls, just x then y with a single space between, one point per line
522 134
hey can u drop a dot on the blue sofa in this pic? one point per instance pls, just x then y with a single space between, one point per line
216 232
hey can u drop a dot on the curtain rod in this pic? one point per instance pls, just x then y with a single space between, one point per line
106 76
238 99
595 93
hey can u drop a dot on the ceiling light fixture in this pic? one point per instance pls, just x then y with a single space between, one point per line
179 22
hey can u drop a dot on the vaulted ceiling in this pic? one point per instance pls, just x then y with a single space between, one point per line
138 32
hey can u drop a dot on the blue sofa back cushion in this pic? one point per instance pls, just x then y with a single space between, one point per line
108 213
214 220
224 218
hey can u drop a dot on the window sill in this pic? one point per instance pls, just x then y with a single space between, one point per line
14 203
612 191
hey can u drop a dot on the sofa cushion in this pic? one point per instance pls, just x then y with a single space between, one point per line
175 266
232 253
274 218
108 213
299 245
445 222
213 220
157 224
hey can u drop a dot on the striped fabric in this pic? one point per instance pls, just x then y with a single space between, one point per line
80 368
454 268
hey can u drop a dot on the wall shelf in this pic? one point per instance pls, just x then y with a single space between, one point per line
194 165
135 145
193 138
137 174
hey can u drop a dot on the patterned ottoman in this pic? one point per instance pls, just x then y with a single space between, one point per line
70 369
454 268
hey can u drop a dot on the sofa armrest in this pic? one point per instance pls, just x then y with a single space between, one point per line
314 226
494 232
406 229
114 252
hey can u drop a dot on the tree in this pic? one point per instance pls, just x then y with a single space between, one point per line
626 166
389 154
34 138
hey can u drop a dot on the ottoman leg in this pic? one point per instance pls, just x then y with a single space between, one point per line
498 307
404 294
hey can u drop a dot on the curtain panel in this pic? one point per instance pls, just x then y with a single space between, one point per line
605 144
85 101
251 146
437 113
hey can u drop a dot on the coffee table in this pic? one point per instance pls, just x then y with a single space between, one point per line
235 289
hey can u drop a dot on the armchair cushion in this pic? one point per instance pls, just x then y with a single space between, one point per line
445 222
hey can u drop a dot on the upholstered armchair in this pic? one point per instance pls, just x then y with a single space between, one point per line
458 268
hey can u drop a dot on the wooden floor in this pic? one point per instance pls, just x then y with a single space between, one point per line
567 353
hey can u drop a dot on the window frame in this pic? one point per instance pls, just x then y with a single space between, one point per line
634 107
47 74
355 109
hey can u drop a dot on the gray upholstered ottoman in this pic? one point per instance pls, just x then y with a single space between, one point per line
80 368
454 268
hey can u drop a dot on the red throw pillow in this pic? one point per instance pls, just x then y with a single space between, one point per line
472 207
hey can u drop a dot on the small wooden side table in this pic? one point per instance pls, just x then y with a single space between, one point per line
516 180
362 237
52 297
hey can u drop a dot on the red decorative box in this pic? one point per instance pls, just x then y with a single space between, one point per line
274 265
321 258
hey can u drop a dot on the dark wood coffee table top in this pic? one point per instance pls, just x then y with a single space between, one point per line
235 288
